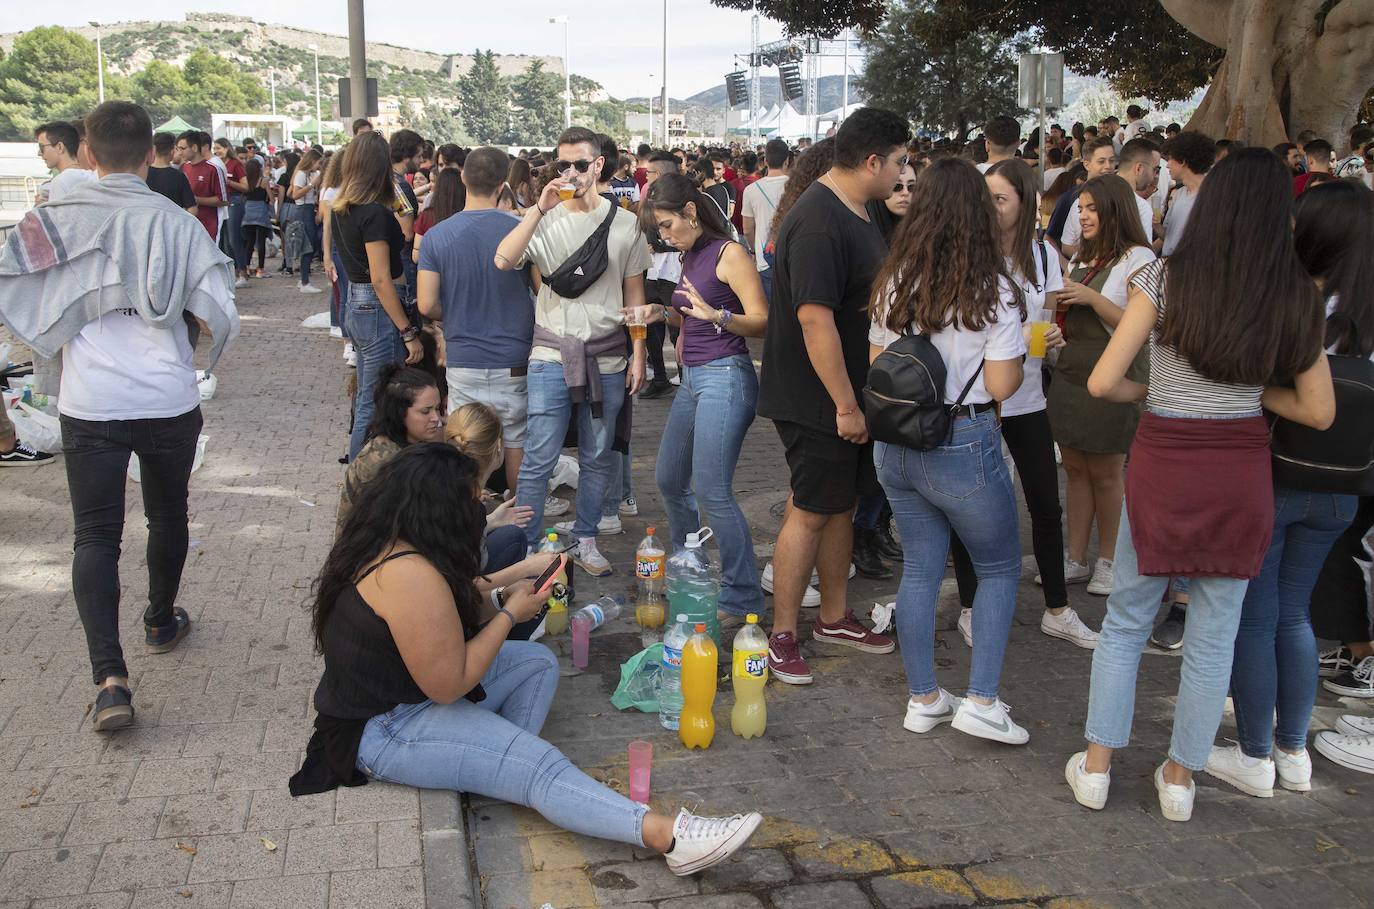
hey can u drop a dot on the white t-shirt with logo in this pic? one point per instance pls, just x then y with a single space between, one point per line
964 351
760 202
1030 397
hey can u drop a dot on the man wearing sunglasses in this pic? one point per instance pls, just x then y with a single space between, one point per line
579 341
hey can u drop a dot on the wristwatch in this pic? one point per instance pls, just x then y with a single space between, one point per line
410 334
498 600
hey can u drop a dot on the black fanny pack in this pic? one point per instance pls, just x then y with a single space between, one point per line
582 269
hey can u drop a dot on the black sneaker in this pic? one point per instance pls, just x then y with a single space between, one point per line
1357 683
1168 635
1333 662
866 559
162 638
114 708
886 545
656 388
24 456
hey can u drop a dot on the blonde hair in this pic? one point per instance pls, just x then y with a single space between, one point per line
475 430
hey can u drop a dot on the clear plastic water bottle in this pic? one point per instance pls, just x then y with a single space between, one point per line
594 615
694 584
670 678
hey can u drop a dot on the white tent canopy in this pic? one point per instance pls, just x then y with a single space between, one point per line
789 125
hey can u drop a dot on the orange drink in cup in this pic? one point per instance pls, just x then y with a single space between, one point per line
1039 328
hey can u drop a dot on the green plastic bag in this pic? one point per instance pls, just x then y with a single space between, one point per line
638 686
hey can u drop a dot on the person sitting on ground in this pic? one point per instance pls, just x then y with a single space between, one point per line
398 614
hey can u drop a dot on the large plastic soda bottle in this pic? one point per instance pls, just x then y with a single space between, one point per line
670 678
697 725
694 584
556 620
749 674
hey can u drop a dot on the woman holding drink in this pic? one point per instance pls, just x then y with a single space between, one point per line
1094 434
719 303
1034 265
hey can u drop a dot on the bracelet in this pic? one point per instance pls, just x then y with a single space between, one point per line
725 316
845 413
507 613
410 334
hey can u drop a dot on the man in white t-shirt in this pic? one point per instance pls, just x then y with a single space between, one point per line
1002 134
760 201
58 143
1135 124
578 363
1099 160
1190 155
1352 166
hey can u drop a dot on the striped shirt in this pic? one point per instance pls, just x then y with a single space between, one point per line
1174 384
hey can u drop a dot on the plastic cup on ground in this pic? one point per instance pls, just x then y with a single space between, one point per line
581 641
641 763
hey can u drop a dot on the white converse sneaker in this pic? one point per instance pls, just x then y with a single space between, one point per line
1089 789
1175 802
554 506
335 331
240 281
1101 583
628 507
810 599
1074 572
925 717
988 721
1253 776
587 557
1353 751
1351 724
1294 770
1067 626
700 842
966 625
608 525
308 289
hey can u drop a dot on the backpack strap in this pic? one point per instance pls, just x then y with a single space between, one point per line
1044 266
968 386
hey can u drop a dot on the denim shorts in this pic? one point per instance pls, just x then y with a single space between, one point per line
504 393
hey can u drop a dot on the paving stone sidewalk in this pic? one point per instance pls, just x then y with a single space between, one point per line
188 808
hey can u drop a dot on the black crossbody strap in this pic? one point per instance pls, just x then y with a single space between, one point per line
968 386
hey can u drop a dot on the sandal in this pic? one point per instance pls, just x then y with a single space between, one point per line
114 708
162 638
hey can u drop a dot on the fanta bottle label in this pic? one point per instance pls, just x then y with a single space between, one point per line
649 566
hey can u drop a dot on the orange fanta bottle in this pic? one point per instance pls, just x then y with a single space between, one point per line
697 725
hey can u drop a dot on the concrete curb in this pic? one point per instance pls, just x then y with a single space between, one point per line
450 877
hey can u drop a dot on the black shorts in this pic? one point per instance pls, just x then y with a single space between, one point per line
828 473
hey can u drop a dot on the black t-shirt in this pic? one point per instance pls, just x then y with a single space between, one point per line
172 183
361 225
723 194
827 255
256 194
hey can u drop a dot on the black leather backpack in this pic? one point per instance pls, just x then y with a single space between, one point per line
1339 459
904 398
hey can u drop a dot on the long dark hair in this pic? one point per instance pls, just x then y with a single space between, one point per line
1022 180
1118 221
448 195
252 174
671 193
426 496
946 265
398 386
807 169
1240 306
1334 237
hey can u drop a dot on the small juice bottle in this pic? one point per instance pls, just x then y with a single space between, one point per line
697 726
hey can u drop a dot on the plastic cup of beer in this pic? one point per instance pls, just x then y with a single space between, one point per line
639 331
567 191
1039 328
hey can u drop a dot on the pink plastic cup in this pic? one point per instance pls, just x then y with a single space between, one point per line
581 641
641 762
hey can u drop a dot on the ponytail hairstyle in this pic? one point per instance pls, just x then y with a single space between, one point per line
475 430
398 386
671 193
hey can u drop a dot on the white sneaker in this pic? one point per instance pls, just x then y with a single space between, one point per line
335 331
675 380
1294 770
925 717
810 599
609 524
1350 724
1074 572
990 721
351 358
966 625
1253 776
1355 752
700 842
1176 802
240 281
1067 626
629 507
587 557
309 289
1089 789
554 506
1101 583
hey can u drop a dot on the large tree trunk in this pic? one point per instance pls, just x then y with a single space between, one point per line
1283 71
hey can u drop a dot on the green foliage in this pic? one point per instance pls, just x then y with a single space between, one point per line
439 124
50 74
484 99
826 18
945 80
604 117
538 97
217 85
161 88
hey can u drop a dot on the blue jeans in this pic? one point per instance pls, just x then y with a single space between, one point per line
338 315
493 749
1208 641
377 343
696 467
963 486
618 486
1275 664
766 278
306 215
550 409
238 250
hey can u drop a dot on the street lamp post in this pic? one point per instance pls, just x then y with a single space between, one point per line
667 137
319 125
567 72
99 64
651 112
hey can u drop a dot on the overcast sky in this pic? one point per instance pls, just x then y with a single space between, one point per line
620 51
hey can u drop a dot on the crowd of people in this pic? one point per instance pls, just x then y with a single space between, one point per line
1159 313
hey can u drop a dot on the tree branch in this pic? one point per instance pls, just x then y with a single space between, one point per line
1208 19
1349 14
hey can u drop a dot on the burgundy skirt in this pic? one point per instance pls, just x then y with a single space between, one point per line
1200 496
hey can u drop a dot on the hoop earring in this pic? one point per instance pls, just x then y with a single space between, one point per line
693 224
